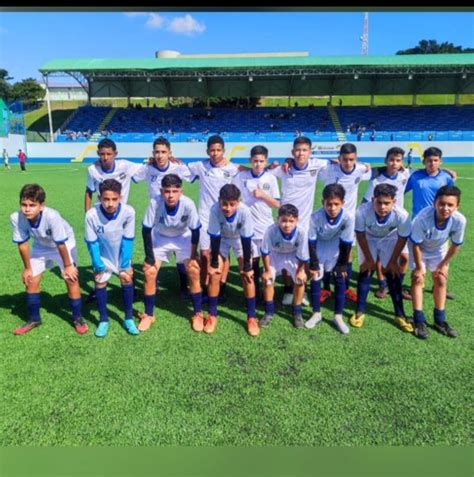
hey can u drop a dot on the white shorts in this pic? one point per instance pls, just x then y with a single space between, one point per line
256 244
328 253
110 269
286 261
380 247
164 246
228 244
204 238
429 260
45 258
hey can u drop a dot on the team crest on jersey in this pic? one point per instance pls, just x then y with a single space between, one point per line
153 178
266 186
162 220
122 176
239 226
184 218
313 172
277 244
320 230
99 229
226 174
49 232
428 234
357 180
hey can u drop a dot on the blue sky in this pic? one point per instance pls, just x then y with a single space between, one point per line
30 39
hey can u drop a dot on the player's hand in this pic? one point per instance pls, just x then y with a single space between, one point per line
258 193
273 165
368 265
126 276
243 168
314 274
147 266
27 276
301 277
213 271
418 276
285 167
247 276
392 268
98 277
267 277
71 273
441 271
193 263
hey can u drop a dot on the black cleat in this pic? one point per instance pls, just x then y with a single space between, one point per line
298 321
445 329
265 321
421 331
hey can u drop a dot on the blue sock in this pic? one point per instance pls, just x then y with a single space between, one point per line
76 307
197 302
340 291
297 310
213 305
439 316
383 283
101 295
149 301
251 304
183 277
349 272
395 288
315 288
327 281
419 316
127 295
269 307
33 301
363 286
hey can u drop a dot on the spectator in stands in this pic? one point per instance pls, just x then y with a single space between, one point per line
372 135
391 137
340 102
430 137
409 158
360 134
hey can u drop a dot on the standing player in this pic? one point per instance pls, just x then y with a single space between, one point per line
22 159
53 244
432 228
109 234
6 165
171 224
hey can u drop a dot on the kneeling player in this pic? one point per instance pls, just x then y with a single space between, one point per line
110 231
284 247
171 224
331 233
431 230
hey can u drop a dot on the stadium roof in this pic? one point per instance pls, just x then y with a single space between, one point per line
271 76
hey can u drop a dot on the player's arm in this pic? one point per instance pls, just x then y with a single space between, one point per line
215 249
369 263
452 173
343 257
300 273
195 233
313 258
87 200
267 274
70 271
148 248
267 198
27 274
442 268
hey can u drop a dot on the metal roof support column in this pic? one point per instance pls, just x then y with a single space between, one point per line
50 117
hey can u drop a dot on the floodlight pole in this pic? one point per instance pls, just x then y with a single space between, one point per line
50 117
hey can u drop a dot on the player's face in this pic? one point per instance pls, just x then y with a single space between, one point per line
259 162
445 206
333 206
31 209
432 164
107 157
110 201
171 195
161 155
287 223
348 161
383 204
301 154
394 164
216 153
229 207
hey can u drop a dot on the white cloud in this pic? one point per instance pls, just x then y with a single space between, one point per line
186 25
134 14
155 21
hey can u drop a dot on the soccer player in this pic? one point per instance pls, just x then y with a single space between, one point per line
231 227
382 230
331 234
260 193
285 247
53 244
6 165
171 224
431 230
109 234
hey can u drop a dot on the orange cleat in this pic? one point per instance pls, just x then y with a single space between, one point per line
210 324
253 327
145 321
197 322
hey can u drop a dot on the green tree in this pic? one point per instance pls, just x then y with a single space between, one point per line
5 87
432 47
28 91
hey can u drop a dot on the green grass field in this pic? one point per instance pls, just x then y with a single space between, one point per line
170 386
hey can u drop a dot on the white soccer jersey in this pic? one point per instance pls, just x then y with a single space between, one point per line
274 241
183 218
239 225
49 231
122 172
298 187
109 230
153 176
399 180
261 212
334 174
397 221
430 237
341 228
211 180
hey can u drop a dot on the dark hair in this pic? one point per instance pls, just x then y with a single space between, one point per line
171 180
288 210
302 140
449 190
162 141
388 190
229 192
107 143
348 148
110 184
432 151
334 190
33 192
216 139
394 151
259 150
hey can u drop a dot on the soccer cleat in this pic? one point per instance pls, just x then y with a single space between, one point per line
298 321
449 295
145 321
406 294
28 326
80 326
287 299
325 295
351 295
265 321
102 329
314 320
197 322
130 326
340 325
404 323
381 293
252 327
421 331
357 321
210 324
305 301
445 329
